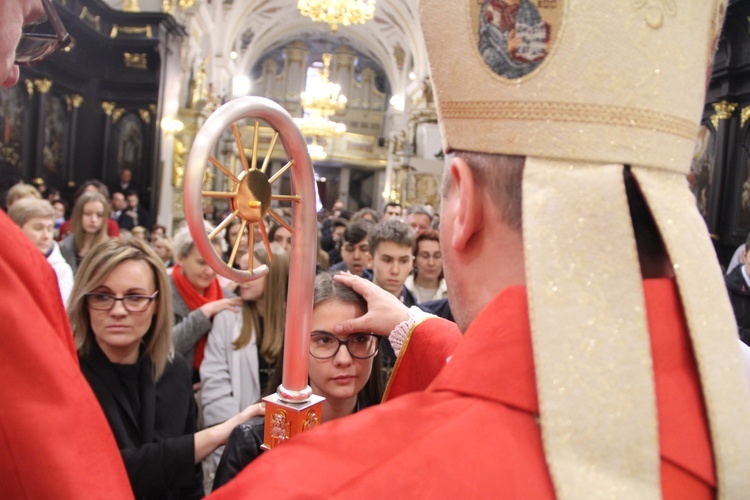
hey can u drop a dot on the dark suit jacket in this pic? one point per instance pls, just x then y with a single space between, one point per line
127 222
157 446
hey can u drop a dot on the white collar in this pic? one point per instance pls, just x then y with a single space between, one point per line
744 274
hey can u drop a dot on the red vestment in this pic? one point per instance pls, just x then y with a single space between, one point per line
54 439
472 432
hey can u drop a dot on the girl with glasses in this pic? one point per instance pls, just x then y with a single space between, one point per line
341 369
121 315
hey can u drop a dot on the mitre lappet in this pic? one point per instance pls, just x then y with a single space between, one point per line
584 89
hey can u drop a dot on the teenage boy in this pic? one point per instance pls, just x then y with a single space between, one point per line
355 250
391 243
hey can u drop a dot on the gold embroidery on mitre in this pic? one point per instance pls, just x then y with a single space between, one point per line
570 112
513 39
655 11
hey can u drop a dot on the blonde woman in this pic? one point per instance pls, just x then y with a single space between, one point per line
243 346
20 191
121 315
36 218
89 220
197 297
163 247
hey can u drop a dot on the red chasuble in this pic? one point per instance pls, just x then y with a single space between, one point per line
54 439
472 432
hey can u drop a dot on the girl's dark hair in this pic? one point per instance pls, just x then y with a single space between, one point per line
328 290
272 232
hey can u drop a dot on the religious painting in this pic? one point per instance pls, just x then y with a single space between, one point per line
55 125
700 177
743 180
514 37
130 143
12 105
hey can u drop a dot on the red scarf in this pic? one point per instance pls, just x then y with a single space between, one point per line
194 300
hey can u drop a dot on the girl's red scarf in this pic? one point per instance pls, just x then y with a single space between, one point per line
194 300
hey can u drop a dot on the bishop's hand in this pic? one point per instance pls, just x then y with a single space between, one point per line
384 310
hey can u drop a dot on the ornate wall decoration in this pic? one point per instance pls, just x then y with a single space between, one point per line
724 111
744 116
179 159
129 141
90 19
73 101
702 168
56 120
743 164
12 106
43 85
108 107
117 114
425 190
146 31
136 61
399 54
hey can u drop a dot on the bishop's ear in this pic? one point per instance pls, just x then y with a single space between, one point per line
466 204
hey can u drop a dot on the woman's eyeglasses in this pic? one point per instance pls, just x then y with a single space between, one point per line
33 47
106 301
324 345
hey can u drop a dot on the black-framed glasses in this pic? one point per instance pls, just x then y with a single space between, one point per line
324 345
100 301
33 47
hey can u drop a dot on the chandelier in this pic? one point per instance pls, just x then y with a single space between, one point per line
317 151
322 96
320 100
337 12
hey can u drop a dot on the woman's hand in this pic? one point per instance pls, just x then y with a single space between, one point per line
207 440
213 308
384 310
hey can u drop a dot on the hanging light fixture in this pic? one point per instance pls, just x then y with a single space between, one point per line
337 12
321 99
317 152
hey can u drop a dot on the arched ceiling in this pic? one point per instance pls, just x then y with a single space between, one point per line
254 28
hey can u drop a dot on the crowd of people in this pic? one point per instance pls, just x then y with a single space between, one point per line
172 349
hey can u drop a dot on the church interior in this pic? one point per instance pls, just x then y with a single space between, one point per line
141 77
